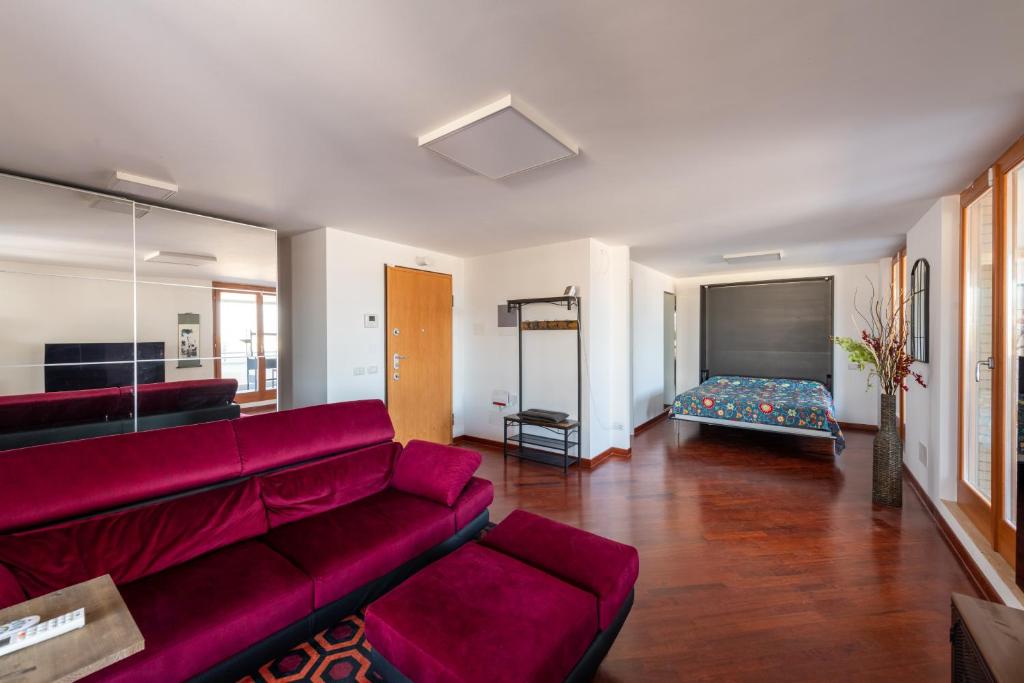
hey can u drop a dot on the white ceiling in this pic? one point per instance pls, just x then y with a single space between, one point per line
821 128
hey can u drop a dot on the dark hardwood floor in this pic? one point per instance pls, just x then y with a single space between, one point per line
759 560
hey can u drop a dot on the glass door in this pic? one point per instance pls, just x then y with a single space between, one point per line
1014 352
245 339
977 446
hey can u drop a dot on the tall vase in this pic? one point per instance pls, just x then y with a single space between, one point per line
887 463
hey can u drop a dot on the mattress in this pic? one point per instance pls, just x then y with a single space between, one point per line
793 403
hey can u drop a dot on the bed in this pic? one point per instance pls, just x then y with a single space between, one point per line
766 358
791 406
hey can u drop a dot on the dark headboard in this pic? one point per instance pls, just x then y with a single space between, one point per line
775 328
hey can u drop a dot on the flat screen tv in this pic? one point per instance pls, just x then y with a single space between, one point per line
70 367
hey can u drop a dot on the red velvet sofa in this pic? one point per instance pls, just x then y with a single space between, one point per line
52 417
232 541
534 600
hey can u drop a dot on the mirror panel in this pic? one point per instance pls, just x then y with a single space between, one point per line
102 293
66 317
207 288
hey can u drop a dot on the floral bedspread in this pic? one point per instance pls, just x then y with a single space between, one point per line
781 402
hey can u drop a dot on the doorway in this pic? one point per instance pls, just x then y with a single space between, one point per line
669 345
419 353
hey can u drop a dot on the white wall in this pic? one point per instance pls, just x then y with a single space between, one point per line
649 287
601 274
854 402
337 277
55 304
931 412
309 318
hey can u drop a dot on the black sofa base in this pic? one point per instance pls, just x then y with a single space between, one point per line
254 656
584 670
89 430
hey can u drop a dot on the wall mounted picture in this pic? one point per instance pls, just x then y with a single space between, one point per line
188 340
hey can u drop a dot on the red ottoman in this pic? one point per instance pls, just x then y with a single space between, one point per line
535 600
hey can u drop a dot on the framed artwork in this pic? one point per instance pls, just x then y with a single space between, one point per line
188 340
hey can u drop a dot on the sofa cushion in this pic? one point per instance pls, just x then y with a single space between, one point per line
600 565
56 408
42 484
479 615
474 499
276 439
345 548
174 397
197 614
135 542
433 471
305 490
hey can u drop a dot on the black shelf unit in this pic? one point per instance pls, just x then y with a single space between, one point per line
547 450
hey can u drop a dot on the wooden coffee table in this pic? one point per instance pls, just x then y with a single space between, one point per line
109 634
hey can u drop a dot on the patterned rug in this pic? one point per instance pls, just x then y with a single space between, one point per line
338 655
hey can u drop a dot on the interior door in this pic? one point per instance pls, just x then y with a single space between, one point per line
419 354
669 346
978 442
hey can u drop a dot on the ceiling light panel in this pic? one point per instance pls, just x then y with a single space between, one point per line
754 257
499 140
179 258
141 186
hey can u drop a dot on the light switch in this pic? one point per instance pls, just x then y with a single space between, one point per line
358 371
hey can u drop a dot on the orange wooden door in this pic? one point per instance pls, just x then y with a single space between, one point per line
419 354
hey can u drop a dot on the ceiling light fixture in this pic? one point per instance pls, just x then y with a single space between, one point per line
141 186
501 139
754 257
116 205
179 258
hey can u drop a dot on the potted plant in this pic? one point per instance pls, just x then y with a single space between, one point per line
882 351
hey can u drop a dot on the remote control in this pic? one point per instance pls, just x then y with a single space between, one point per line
29 631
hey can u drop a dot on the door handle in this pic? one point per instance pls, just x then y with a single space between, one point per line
989 363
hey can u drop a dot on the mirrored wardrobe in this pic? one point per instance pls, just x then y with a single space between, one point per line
117 316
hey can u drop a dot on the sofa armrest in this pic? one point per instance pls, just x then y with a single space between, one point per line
433 471
11 592
474 499
604 567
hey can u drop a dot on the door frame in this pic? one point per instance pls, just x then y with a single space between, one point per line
387 342
261 394
1005 533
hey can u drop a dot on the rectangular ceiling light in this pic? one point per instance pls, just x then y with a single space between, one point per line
754 257
118 205
501 139
179 258
141 186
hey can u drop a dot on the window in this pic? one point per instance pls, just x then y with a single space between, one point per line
245 339
992 349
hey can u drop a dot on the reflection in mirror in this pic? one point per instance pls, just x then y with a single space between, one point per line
66 340
208 288
73 345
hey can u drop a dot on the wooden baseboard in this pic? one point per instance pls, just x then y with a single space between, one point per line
858 427
966 561
467 440
603 456
585 463
663 415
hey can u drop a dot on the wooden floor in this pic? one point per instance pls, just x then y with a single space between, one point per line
758 561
